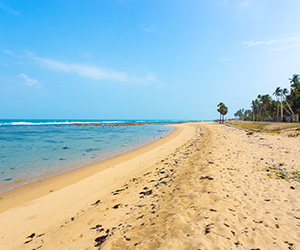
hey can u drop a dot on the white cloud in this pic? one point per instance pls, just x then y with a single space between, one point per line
286 41
149 29
225 59
30 82
9 9
10 53
255 43
94 72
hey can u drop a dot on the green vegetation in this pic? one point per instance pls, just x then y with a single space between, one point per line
279 172
285 107
252 126
267 127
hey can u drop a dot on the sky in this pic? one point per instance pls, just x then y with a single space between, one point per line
143 59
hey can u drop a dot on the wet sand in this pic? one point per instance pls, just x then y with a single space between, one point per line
206 186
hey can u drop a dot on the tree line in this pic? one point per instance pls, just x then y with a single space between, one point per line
285 106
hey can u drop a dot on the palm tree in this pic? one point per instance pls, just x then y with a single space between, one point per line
239 113
220 105
277 93
295 81
223 110
284 94
253 110
266 101
294 97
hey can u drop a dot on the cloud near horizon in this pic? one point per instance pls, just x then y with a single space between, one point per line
94 72
290 40
30 82
225 59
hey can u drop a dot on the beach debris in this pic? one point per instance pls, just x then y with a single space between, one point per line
116 206
8 179
96 227
291 187
140 217
146 192
213 210
237 243
249 133
100 240
206 177
293 135
211 162
116 192
31 235
290 244
208 228
126 238
96 203
65 147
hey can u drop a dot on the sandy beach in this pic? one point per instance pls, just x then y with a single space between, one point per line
204 186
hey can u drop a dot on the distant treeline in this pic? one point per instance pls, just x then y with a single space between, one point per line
285 106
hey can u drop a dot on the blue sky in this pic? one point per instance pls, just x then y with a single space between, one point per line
136 59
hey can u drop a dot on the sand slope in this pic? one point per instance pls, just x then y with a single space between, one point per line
218 196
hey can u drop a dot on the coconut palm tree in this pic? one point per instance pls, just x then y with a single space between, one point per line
277 93
220 106
284 95
223 110
266 101
253 110
294 97
295 80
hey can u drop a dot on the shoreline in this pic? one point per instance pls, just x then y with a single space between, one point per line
40 187
23 182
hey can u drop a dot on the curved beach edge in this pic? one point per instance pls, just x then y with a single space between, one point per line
42 206
36 189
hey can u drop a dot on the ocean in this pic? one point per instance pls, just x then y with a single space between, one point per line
34 149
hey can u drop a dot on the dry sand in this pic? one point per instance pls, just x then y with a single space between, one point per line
206 186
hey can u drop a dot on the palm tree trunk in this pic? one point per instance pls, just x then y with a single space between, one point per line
277 109
281 111
289 107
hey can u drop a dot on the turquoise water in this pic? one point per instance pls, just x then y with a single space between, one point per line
34 149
